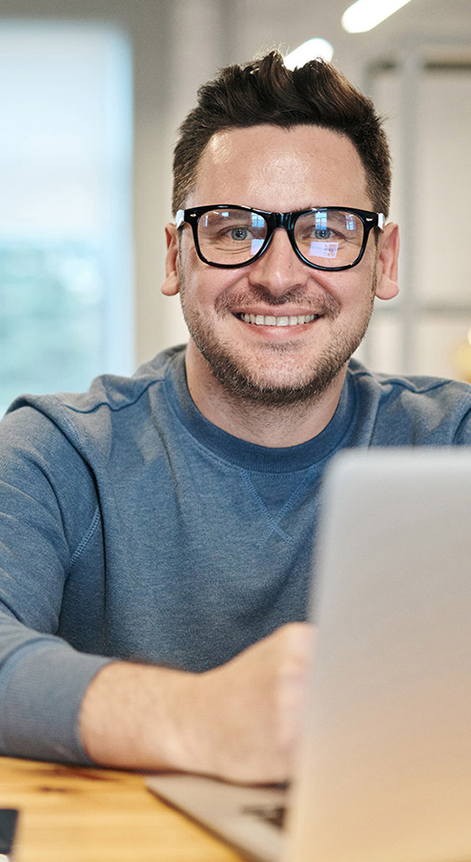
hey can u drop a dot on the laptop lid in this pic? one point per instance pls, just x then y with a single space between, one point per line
385 764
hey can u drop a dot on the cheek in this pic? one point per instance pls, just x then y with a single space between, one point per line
186 261
341 287
203 285
360 282
199 287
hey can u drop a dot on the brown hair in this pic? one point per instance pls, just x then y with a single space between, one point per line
266 91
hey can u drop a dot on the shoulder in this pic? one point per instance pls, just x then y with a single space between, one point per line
415 386
108 391
426 409
96 414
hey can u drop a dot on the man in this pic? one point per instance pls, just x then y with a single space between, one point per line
156 534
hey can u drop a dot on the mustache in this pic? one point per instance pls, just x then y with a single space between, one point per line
319 303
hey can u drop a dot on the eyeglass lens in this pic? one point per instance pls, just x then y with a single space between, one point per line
327 238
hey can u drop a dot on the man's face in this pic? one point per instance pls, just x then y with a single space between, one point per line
280 170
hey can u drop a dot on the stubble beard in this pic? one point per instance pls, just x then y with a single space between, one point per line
251 384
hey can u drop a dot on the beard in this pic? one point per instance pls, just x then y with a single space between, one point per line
250 381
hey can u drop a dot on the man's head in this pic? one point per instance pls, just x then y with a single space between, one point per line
274 317
265 91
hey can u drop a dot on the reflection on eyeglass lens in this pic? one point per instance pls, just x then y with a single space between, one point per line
327 237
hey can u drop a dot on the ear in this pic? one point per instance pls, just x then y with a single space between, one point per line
171 285
388 253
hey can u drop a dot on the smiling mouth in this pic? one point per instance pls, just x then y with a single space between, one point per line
271 320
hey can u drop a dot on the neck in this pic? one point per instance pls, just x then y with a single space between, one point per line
276 426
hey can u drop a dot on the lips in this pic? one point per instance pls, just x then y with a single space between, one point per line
271 320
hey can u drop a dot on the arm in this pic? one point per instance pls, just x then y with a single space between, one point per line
238 722
42 678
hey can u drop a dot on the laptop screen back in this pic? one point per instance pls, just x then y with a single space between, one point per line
385 765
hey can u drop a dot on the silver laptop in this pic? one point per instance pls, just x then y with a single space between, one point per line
384 771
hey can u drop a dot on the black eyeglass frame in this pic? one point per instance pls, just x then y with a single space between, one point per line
275 220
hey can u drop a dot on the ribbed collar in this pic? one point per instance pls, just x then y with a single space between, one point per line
250 456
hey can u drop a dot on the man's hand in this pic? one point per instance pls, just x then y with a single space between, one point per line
239 721
249 709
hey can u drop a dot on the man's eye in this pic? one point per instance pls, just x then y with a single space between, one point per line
322 233
239 233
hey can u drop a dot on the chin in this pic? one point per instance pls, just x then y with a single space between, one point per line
281 375
276 390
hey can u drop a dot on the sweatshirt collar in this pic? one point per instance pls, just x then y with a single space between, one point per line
250 455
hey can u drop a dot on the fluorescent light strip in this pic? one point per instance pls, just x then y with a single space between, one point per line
313 49
366 14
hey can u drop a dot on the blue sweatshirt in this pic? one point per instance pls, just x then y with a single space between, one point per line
133 528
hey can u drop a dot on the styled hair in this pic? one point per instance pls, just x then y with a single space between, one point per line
265 91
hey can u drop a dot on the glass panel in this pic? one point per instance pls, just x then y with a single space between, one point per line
65 173
51 307
439 198
444 188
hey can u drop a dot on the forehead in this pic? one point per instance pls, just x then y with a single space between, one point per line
273 168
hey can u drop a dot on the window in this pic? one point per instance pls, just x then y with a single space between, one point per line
65 179
426 98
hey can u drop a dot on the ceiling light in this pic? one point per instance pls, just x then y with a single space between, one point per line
366 14
313 49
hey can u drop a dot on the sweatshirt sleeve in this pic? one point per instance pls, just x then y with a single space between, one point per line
48 506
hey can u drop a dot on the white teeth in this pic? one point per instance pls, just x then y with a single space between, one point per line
262 320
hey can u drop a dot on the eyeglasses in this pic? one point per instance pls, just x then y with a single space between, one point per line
330 238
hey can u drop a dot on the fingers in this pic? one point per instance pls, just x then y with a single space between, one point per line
249 710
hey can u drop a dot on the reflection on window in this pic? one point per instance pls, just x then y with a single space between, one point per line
65 268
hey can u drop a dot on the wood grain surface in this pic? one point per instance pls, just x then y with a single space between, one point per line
74 814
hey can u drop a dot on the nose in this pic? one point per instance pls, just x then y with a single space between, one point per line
279 269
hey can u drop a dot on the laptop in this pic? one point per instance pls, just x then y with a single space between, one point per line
384 767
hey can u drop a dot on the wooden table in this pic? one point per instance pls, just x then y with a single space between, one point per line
74 814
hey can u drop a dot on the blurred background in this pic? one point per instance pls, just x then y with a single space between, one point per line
91 95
